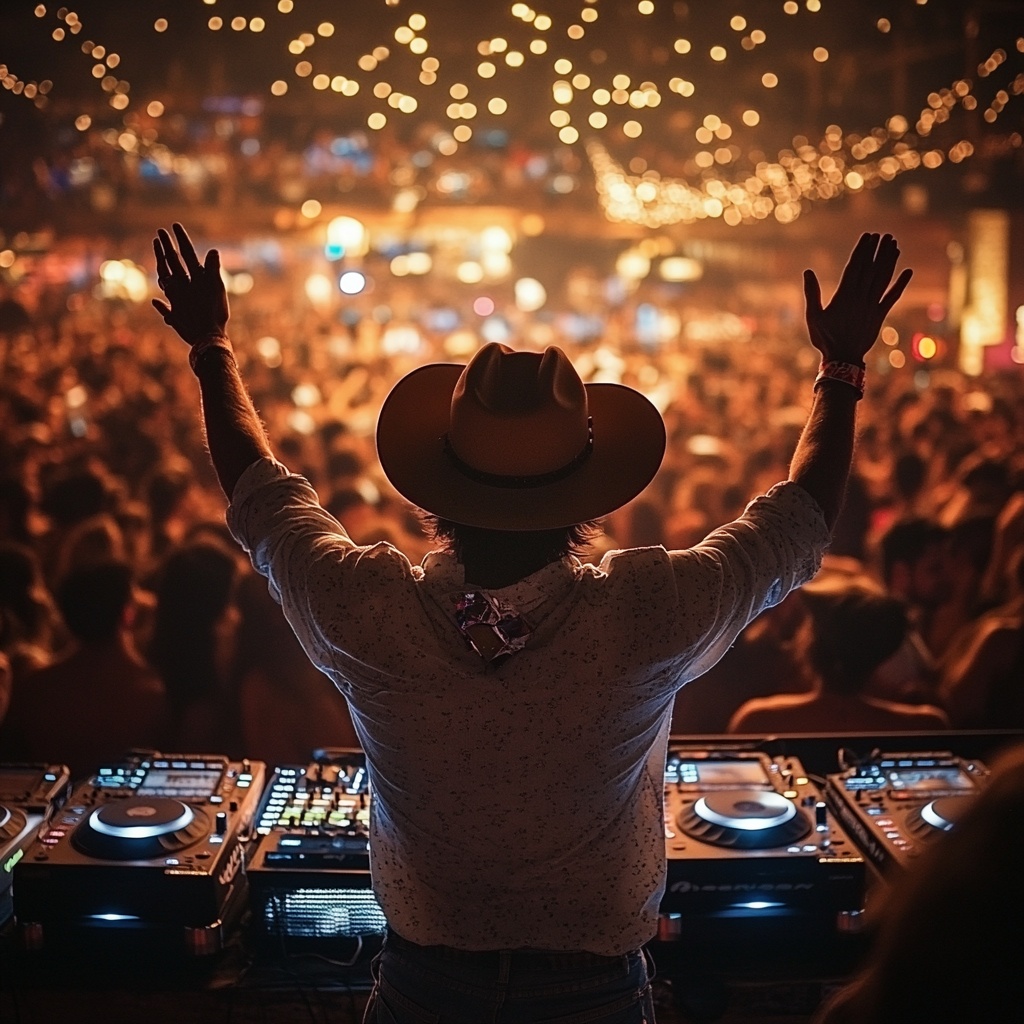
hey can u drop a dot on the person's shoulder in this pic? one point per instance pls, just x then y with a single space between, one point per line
924 715
765 713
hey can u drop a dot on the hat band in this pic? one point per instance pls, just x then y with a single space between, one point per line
521 482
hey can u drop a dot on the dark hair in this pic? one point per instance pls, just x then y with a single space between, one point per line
194 590
510 547
974 538
909 474
265 640
907 541
164 491
854 630
21 613
75 496
92 600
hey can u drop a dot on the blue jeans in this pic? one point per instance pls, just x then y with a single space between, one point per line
440 985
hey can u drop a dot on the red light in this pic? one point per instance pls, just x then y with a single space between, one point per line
926 346
483 306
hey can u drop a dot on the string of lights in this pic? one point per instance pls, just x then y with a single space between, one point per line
839 163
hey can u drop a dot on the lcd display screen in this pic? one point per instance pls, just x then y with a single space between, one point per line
723 773
192 782
929 778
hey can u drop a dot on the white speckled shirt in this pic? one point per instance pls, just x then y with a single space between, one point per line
519 806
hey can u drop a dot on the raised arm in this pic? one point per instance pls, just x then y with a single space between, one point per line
197 308
843 332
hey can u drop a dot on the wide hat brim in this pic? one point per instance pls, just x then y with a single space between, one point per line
629 444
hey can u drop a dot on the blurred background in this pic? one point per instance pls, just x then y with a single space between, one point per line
398 183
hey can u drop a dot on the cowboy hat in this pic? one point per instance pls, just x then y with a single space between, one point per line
516 441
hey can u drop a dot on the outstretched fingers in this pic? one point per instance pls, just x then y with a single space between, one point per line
892 295
163 271
187 249
812 292
162 308
859 264
171 256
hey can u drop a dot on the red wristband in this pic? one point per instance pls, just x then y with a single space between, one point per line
846 373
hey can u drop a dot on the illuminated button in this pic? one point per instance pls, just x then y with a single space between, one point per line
792 849
809 849
801 781
57 833
216 839
50 842
50 777
216 799
790 793
884 822
899 842
171 861
179 764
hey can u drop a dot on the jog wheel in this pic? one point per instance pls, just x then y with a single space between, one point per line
745 819
941 815
139 828
11 823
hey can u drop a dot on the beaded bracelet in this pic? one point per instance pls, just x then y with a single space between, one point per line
846 373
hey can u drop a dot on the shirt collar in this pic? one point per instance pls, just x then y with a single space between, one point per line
533 597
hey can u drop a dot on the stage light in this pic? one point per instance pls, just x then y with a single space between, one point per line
269 350
306 396
681 268
633 265
352 282
469 272
529 294
349 234
319 289
483 306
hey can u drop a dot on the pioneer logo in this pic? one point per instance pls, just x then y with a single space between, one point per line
683 887
141 811
232 866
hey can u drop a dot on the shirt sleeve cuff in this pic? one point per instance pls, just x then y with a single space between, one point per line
257 475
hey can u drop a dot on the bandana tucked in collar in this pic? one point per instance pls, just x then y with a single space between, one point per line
491 627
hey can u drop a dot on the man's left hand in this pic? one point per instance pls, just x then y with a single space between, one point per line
197 306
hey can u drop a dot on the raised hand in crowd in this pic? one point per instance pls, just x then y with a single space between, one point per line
197 301
847 327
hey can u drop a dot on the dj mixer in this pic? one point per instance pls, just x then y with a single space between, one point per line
152 847
896 805
749 836
30 794
310 872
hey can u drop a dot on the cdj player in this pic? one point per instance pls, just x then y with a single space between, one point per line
310 873
894 805
748 836
151 847
29 796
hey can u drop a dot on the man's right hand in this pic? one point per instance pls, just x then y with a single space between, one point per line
847 327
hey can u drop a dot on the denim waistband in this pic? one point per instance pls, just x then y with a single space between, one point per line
488 959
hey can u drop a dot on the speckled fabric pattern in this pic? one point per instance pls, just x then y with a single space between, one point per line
519 805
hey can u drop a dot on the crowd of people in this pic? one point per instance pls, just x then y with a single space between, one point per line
128 616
